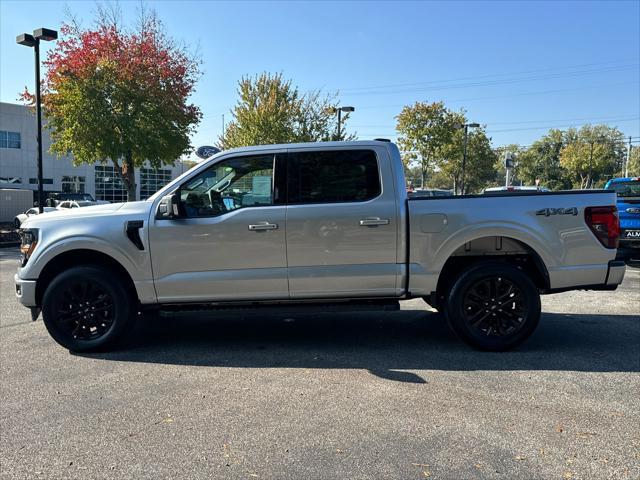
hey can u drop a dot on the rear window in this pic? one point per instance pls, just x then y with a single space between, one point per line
332 176
629 188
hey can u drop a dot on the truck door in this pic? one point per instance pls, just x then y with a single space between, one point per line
341 223
229 241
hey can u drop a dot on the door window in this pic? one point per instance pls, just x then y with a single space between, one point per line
332 176
228 185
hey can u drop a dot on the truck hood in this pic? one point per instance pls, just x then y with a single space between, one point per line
84 213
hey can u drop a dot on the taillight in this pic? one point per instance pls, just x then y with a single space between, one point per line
604 223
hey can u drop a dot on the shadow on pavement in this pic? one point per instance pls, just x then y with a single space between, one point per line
386 344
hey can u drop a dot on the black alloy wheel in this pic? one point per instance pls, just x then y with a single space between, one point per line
493 306
84 310
87 308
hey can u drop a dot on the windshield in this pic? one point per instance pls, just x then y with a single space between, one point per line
630 188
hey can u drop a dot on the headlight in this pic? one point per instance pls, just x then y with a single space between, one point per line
29 238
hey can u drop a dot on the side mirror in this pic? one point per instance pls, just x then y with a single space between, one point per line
168 208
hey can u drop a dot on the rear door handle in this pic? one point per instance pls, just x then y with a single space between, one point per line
263 226
373 222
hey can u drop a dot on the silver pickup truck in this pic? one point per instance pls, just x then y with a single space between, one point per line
308 225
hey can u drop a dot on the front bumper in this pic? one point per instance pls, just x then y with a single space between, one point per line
25 291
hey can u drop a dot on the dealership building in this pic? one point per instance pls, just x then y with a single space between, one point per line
18 164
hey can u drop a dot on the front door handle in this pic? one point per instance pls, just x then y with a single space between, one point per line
373 221
256 227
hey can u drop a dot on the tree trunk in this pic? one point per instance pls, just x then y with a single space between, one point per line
129 177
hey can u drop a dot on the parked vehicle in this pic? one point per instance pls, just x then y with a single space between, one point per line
13 202
76 204
429 192
315 224
628 191
55 198
516 188
32 211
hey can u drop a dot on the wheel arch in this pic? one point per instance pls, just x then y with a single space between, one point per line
77 257
495 248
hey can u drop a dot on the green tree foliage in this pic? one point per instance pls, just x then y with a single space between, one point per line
541 161
272 110
634 162
480 164
592 154
120 95
425 130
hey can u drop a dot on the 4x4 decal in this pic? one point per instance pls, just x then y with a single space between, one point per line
557 211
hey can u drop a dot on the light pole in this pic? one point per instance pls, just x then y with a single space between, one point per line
339 110
464 151
34 41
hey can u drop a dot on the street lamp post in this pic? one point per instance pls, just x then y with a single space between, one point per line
339 110
464 152
34 41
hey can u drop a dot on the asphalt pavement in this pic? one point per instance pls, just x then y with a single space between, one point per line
325 395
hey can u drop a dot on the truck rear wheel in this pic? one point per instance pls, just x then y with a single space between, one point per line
87 308
493 306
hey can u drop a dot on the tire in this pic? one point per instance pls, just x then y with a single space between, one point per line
493 306
16 223
87 308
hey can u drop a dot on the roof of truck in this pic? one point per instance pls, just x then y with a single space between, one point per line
284 146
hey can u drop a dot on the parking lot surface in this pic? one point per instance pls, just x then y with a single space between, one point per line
325 395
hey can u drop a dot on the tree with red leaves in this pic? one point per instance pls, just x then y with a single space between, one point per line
112 94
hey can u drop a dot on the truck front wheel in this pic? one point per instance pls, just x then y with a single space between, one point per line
87 308
493 306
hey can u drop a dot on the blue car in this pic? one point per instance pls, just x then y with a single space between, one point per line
628 190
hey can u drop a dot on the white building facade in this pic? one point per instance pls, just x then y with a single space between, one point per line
18 164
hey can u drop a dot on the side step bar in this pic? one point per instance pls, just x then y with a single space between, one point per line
286 307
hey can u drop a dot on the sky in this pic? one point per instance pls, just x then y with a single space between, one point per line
519 68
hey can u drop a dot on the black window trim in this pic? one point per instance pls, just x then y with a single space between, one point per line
334 149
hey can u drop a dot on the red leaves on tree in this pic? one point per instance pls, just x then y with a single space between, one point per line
122 95
147 59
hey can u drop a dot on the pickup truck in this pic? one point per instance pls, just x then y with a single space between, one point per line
315 226
628 191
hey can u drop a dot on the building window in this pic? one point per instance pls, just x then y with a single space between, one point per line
9 139
152 180
109 186
45 181
71 184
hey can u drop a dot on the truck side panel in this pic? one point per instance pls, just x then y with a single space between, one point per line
551 225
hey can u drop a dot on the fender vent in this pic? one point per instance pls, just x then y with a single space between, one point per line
133 233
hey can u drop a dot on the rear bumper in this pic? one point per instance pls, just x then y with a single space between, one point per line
615 272
614 277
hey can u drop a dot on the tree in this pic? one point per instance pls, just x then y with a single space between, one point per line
593 153
120 95
541 161
424 130
272 110
480 164
634 162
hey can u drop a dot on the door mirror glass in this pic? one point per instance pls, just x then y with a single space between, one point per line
169 207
